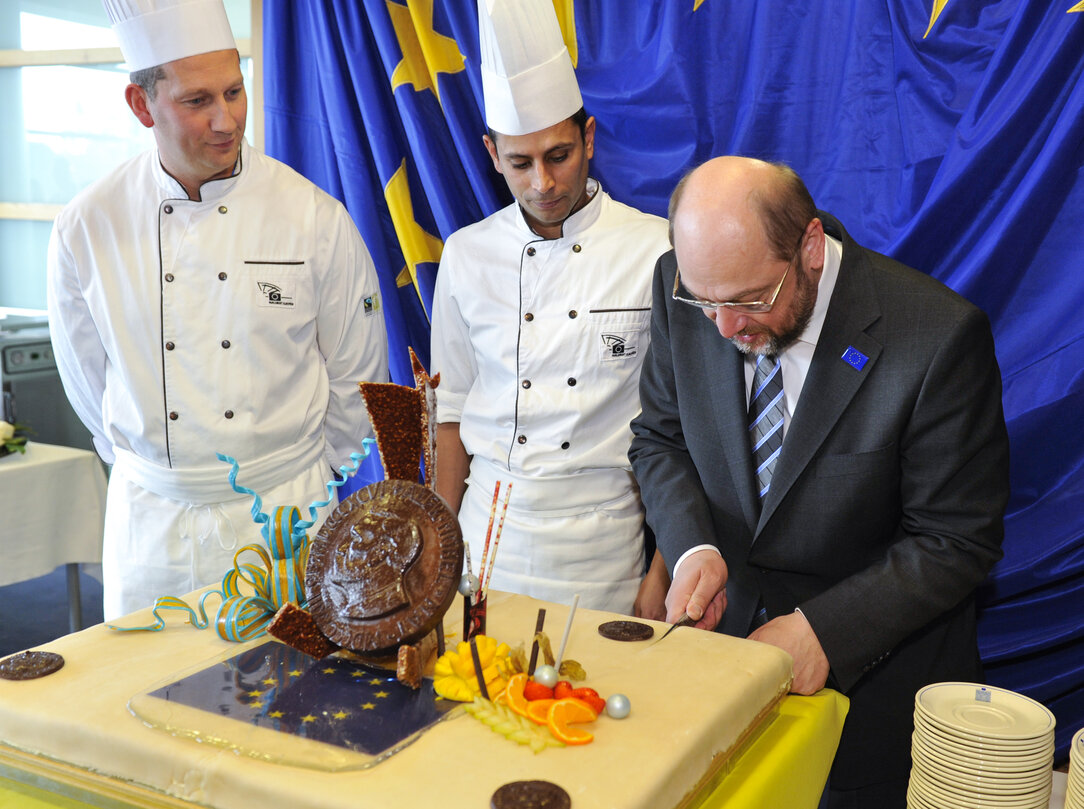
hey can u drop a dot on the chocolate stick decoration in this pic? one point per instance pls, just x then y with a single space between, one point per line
568 628
489 533
478 669
538 624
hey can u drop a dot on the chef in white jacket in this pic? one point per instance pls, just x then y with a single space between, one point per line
540 323
205 298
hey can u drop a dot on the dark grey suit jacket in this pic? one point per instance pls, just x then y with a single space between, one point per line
885 510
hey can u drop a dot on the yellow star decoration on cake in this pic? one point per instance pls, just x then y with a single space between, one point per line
418 246
425 52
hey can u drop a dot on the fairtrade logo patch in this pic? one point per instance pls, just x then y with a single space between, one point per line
274 294
371 303
618 346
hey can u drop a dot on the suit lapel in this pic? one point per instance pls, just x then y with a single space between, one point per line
832 382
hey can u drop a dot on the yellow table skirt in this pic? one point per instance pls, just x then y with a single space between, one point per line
785 764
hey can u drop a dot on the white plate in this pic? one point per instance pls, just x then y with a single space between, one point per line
970 765
980 786
1012 758
956 798
981 744
984 710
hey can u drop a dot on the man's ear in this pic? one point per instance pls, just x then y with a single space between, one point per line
491 147
137 100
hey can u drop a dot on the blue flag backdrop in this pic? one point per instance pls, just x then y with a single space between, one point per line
948 134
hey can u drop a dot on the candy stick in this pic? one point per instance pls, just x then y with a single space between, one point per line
478 673
568 628
540 621
489 530
496 540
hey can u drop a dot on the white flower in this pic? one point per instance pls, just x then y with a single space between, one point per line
7 431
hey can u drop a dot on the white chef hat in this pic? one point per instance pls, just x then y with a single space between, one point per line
153 32
527 76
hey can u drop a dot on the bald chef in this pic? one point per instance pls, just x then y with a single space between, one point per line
205 298
540 323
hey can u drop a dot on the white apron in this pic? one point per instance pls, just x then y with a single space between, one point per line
561 537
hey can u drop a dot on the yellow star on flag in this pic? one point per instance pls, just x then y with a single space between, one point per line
935 12
1079 7
418 246
566 18
425 52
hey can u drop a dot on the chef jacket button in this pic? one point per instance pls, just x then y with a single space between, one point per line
576 248
526 383
573 314
222 276
564 445
173 415
572 381
222 209
225 343
170 346
530 251
168 209
169 277
228 414
522 439
528 317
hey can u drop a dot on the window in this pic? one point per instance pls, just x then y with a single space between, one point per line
66 123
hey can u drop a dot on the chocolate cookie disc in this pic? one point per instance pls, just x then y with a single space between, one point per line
384 567
625 630
530 795
30 665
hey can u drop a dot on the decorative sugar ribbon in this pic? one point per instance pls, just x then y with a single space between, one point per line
281 577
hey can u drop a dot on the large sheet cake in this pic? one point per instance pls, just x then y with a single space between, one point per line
695 696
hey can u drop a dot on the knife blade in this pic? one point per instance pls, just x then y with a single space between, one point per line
684 620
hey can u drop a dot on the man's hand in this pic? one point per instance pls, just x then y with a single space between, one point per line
699 590
793 634
651 599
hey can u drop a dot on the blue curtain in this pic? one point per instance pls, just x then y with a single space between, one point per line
946 133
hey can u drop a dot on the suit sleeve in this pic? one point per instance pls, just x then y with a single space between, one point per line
954 488
677 509
351 334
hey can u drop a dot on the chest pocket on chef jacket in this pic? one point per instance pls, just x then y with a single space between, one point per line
280 289
620 335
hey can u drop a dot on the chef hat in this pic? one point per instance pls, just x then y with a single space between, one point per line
153 32
527 76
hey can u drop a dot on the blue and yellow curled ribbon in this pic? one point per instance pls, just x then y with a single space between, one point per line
279 578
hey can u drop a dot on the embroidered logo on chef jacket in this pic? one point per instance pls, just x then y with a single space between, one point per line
618 345
371 303
275 294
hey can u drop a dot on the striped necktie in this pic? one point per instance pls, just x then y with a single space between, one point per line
766 420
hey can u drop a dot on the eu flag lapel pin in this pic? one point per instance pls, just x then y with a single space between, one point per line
855 358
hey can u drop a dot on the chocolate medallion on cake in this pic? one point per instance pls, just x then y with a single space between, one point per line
530 795
30 665
384 567
626 630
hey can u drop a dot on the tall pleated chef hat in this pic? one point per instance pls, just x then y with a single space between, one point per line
153 32
527 76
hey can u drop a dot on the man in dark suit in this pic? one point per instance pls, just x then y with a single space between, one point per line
857 545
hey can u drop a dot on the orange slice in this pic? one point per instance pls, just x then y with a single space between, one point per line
538 710
513 694
565 712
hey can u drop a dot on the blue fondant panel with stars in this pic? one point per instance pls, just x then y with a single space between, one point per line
335 700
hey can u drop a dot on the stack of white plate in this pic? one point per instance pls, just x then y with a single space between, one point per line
980 747
1074 784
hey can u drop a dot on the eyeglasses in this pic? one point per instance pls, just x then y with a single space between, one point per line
742 307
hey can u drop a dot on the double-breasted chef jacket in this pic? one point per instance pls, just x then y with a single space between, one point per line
539 343
238 324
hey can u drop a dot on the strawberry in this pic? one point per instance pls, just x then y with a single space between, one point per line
562 690
584 691
533 691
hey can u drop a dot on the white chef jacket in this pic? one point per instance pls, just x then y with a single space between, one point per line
539 345
238 324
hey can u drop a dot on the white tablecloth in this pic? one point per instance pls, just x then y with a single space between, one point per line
52 509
